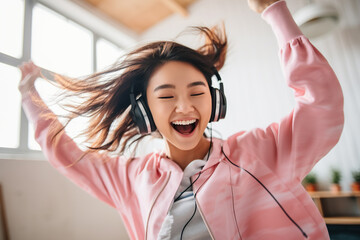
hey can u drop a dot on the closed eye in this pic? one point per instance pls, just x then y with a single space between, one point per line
196 94
165 97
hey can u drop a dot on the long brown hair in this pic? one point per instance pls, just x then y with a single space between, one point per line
105 94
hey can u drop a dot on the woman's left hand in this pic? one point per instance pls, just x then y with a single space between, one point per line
259 5
29 73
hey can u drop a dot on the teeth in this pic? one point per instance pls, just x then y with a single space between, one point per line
185 122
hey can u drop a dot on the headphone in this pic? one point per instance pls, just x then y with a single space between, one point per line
141 114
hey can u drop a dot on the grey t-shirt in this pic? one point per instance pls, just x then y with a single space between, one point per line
182 210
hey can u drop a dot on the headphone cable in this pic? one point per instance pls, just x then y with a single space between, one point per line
192 216
268 191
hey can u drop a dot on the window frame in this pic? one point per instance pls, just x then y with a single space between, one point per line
23 152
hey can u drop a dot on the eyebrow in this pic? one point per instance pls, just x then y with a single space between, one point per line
193 84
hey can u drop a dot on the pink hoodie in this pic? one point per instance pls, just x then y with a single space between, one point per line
249 190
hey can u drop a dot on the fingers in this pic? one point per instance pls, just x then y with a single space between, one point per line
29 73
29 68
260 5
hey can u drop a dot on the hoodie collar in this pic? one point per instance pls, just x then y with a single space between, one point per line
166 164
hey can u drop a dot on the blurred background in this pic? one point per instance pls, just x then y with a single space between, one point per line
78 37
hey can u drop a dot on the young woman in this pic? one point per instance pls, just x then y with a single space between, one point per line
245 187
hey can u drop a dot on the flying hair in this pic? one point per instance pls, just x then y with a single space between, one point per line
105 97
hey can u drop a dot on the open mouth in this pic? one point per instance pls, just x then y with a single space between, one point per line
185 127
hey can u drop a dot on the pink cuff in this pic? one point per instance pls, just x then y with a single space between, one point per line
281 21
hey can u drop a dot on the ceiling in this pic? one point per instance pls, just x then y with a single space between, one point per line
139 15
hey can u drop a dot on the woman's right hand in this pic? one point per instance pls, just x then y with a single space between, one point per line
29 73
260 5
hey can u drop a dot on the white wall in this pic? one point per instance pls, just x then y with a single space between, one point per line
42 204
256 92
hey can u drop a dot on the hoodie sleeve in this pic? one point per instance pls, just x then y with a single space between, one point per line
101 176
294 145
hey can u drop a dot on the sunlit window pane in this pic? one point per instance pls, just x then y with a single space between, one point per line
50 95
46 91
59 44
11 27
106 54
62 46
10 106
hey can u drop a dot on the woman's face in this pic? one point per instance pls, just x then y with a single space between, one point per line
180 102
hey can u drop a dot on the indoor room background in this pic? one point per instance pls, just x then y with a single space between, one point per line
42 204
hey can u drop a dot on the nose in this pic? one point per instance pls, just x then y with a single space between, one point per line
184 105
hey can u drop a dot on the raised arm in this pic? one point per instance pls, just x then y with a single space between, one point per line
293 146
94 173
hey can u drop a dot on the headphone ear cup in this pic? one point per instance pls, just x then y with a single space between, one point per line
213 104
223 105
218 108
142 117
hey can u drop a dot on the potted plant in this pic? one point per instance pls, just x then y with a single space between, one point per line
335 179
356 184
310 182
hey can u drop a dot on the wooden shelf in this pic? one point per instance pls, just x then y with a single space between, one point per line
328 194
342 220
318 196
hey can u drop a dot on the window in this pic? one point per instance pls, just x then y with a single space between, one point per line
11 33
107 54
10 106
11 27
59 44
54 42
